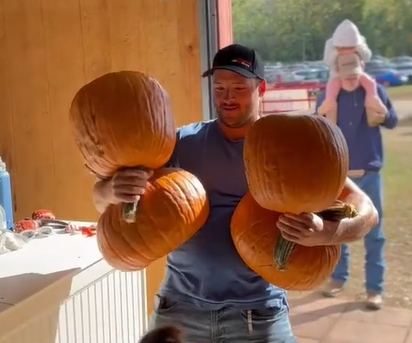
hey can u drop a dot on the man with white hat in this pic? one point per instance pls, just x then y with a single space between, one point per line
362 108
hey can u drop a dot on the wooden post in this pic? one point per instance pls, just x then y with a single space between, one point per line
224 20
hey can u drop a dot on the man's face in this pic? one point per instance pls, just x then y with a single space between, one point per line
351 82
236 97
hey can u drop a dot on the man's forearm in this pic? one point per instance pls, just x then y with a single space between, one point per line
102 195
351 230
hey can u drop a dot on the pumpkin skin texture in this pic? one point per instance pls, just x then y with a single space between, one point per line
255 235
123 119
295 163
173 208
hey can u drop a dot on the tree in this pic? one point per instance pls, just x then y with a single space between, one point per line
292 30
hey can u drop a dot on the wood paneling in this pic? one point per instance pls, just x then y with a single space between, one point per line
48 50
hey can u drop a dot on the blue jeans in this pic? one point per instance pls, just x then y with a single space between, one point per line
229 324
371 184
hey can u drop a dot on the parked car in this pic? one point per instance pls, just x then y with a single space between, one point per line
320 75
379 64
388 77
405 69
401 59
379 58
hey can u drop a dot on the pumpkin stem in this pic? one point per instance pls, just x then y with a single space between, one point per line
338 211
129 212
283 248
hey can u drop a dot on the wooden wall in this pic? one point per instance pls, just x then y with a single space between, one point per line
48 50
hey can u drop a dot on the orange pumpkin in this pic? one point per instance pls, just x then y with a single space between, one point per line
295 163
172 210
284 264
124 119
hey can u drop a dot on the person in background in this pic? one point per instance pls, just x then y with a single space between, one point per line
363 135
208 292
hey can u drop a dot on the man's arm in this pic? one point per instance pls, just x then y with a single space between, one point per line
391 119
351 230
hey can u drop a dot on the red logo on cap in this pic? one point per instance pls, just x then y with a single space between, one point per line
242 62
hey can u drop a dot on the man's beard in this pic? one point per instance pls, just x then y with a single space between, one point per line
234 125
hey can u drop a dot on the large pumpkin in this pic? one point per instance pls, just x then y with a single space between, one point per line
172 210
121 120
284 264
295 163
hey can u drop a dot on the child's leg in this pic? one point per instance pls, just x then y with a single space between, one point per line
329 106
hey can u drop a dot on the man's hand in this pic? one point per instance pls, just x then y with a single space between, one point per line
306 229
129 184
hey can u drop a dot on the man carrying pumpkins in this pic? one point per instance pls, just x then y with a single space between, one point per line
216 286
360 118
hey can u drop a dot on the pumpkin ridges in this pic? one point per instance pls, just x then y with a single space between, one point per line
145 223
182 210
167 211
118 258
117 95
270 152
131 237
307 267
134 234
125 119
185 185
339 143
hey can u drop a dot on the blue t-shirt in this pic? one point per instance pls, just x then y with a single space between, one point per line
364 142
207 270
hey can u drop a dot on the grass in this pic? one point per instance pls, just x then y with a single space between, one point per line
403 92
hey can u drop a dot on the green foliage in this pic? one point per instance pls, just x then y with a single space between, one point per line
294 30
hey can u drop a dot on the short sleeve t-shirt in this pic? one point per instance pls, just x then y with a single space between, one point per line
207 270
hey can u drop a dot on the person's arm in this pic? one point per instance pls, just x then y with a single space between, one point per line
391 119
351 230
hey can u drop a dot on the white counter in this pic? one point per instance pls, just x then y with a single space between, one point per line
60 290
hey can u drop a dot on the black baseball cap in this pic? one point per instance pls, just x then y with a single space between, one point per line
239 59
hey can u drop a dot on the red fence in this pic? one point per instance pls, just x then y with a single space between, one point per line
286 97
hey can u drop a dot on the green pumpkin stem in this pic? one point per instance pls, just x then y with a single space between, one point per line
129 212
284 248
